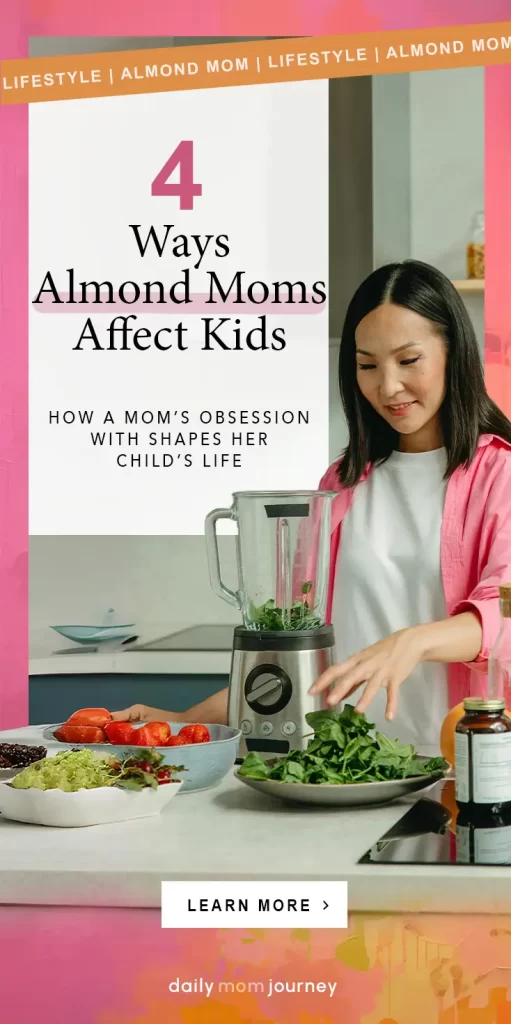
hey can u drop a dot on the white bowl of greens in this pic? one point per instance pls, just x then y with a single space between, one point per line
346 764
77 788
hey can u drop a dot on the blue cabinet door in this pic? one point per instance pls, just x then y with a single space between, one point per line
55 698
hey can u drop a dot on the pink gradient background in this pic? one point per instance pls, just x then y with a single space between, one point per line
112 967
94 966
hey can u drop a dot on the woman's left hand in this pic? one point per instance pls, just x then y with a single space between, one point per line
385 664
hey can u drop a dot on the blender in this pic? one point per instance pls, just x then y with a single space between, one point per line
284 644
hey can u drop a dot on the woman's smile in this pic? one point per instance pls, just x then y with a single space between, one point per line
400 409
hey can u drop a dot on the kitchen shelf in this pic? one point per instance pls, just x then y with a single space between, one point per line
470 285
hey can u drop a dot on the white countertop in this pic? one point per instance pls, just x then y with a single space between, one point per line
231 833
193 663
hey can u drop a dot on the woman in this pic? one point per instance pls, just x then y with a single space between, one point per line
421 526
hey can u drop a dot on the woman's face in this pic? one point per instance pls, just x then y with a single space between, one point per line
401 363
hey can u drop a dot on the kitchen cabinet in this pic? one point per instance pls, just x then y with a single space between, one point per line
53 698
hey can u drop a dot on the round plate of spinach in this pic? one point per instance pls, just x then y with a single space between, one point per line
345 764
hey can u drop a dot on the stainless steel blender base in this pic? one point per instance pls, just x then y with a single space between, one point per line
271 674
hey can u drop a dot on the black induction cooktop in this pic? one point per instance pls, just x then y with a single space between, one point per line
431 833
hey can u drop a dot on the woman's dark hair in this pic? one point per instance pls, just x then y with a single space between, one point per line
467 410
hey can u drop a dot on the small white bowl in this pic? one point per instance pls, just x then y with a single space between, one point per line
101 806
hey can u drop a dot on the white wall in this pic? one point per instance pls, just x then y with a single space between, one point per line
153 581
391 166
428 170
447 171
446 164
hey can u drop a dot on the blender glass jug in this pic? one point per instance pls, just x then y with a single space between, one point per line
283 555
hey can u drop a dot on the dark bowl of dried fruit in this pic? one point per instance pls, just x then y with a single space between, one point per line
14 757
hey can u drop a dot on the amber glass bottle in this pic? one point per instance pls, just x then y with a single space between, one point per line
483 754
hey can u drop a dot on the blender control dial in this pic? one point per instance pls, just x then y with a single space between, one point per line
267 689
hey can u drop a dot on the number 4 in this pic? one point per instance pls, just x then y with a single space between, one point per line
182 157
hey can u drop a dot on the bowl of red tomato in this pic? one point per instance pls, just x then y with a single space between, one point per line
204 752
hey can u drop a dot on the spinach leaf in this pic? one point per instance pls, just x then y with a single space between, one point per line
392 747
300 615
255 766
317 718
294 772
342 750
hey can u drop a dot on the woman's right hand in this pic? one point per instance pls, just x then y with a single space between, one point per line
212 710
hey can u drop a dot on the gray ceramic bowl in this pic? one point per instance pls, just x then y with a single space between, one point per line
206 763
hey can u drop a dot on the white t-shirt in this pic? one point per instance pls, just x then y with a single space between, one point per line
388 577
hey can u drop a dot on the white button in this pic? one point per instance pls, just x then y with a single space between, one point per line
246 727
266 729
254 904
289 728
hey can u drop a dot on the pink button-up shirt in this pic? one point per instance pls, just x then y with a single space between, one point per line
475 548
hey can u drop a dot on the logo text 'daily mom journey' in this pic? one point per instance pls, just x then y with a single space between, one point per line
268 988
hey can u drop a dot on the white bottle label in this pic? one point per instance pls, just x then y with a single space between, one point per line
462 777
491 768
492 845
462 845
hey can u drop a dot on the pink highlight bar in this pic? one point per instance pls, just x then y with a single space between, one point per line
198 304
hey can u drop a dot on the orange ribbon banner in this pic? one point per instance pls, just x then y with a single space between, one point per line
232 64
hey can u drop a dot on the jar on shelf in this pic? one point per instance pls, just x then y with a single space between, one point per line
475 248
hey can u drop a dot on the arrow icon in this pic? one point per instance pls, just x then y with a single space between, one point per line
325 905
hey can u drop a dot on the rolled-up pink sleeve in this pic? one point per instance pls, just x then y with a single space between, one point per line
495 559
